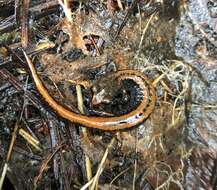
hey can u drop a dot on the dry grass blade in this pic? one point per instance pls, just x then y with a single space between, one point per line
120 5
4 172
126 17
165 86
101 165
14 136
144 31
116 177
31 140
135 163
88 165
95 179
158 79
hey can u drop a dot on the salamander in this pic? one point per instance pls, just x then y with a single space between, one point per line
141 112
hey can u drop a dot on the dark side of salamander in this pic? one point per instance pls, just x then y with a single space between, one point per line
116 97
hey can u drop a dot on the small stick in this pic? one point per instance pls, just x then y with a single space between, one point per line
95 45
31 140
135 163
24 24
129 11
13 139
88 164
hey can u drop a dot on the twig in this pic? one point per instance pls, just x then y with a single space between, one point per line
37 11
31 140
24 24
5 75
7 24
44 165
95 45
129 12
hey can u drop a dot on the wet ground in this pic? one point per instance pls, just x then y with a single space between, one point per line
196 44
